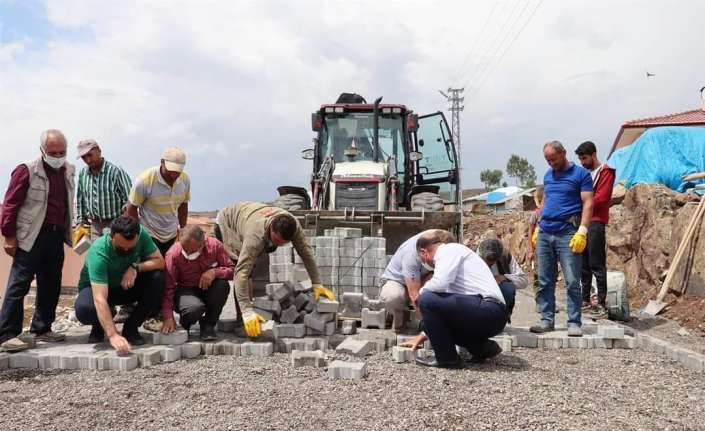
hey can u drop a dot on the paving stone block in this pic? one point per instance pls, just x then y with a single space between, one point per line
600 342
290 314
374 319
4 361
355 347
326 242
373 242
147 357
87 361
318 321
611 332
325 305
264 303
403 354
310 306
504 341
375 253
113 361
208 349
329 329
24 359
373 304
227 325
348 327
256 349
170 353
314 358
679 354
627 342
327 252
551 340
525 339
190 350
347 370
347 232
289 331
266 315
267 331
694 361
301 300
49 360
180 336
277 291
371 291
226 348
304 286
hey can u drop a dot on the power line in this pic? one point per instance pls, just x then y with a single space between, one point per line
470 53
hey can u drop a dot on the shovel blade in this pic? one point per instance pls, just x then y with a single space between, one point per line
653 308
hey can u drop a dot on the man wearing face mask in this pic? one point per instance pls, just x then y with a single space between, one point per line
248 229
36 222
197 272
121 268
507 272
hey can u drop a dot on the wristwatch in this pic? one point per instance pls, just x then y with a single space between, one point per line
135 266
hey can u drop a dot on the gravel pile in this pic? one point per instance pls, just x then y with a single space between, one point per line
527 389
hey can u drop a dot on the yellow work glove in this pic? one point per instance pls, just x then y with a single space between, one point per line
81 231
253 324
319 290
579 241
535 236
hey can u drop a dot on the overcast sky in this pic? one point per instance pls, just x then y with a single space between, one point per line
234 83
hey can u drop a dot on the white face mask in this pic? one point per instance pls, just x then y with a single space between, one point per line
192 256
428 267
54 162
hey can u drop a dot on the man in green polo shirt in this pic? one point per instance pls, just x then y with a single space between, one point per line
122 268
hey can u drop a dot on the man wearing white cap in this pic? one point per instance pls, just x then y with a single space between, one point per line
159 198
102 190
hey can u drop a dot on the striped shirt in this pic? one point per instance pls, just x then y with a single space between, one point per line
101 196
158 202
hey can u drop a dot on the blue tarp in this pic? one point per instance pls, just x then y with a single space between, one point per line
661 155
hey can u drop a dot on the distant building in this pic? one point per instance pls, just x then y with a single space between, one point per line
501 200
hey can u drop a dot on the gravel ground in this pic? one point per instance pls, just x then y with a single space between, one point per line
527 389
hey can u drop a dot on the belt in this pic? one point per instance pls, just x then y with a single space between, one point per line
491 299
47 227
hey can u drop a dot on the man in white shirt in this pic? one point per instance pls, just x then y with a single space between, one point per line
403 277
460 305
505 269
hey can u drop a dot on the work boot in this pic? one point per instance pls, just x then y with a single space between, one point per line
97 334
489 349
14 345
541 328
586 306
574 330
123 313
208 332
598 312
50 336
154 324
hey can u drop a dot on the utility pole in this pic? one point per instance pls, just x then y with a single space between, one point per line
453 96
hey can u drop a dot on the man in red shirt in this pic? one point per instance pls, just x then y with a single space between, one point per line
198 270
595 254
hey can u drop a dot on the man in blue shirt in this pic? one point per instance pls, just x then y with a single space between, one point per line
562 236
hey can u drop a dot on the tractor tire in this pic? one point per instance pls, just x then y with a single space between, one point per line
426 201
291 202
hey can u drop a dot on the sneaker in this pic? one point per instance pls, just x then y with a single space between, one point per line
574 330
208 333
97 334
434 363
541 328
586 306
14 345
123 313
598 312
154 324
50 336
133 337
489 349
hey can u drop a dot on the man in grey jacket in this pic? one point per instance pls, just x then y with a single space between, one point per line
36 222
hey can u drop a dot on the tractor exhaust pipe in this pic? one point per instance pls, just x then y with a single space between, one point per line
375 125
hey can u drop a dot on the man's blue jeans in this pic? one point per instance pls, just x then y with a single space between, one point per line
509 292
551 249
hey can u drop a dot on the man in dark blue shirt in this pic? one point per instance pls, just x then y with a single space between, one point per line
565 217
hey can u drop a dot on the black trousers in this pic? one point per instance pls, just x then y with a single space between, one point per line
45 261
164 246
147 292
595 263
198 305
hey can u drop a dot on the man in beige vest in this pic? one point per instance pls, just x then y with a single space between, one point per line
36 222
248 229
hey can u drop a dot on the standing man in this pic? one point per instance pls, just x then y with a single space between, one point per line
159 198
102 190
198 269
460 305
505 269
121 268
595 255
562 236
403 277
36 222
248 229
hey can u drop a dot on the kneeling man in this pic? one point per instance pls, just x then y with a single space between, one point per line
197 272
460 305
121 268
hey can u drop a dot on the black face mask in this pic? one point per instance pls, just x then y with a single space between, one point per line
270 247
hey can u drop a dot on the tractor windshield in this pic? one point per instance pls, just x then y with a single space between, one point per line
350 137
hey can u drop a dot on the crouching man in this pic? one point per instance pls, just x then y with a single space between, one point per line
122 268
507 272
197 272
460 305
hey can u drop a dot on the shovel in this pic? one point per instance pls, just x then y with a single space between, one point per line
656 306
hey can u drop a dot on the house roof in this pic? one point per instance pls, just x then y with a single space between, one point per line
632 130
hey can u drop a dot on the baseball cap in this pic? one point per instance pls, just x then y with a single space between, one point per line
85 146
174 159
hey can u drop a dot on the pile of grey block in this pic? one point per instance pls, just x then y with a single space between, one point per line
347 261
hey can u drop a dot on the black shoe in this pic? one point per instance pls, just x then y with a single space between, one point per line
97 334
541 328
489 349
433 363
133 337
208 333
